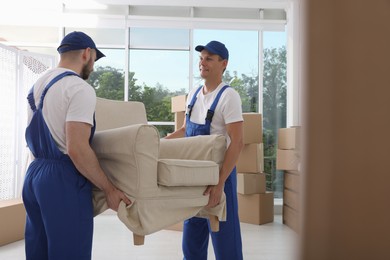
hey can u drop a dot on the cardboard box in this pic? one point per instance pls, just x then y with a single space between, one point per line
13 220
289 138
251 159
179 119
291 199
178 103
253 128
256 208
249 183
291 218
291 181
288 160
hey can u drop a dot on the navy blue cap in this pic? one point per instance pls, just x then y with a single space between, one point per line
215 47
78 41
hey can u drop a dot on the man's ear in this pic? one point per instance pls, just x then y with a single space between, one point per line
86 54
225 63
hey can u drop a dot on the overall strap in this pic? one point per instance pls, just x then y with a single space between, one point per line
31 101
54 80
193 100
210 112
93 129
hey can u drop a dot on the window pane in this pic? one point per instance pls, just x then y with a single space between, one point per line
274 104
155 68
156 76
115 58
151 38
108 76
158 65
242 70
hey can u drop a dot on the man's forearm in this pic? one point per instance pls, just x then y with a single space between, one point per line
87 164
177 134
230 160
82 155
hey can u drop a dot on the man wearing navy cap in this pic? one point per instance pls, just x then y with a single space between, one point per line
215 108
57 191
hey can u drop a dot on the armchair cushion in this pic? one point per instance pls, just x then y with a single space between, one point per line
173 172
201 147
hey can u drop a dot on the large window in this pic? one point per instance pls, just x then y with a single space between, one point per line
159 65
158 68
152 59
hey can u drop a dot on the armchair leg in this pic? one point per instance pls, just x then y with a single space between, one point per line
214 223
138 240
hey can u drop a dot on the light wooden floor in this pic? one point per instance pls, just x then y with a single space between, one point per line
112 240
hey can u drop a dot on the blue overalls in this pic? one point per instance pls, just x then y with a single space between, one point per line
227 242
57 198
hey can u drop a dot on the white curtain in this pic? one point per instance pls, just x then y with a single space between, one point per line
18 72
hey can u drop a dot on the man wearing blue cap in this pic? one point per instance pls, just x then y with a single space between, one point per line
215 108
57 191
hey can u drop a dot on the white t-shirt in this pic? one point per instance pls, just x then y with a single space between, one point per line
69 99
228 109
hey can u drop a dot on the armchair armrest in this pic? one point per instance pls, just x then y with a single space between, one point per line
201 147
129 155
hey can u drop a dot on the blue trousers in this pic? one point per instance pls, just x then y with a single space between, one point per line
58 201
226 242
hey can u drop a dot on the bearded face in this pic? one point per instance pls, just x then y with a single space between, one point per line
87 69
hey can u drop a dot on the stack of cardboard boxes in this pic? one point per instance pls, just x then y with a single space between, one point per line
178 106
255 204
288 160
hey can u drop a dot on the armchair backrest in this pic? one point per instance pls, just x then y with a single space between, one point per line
111 114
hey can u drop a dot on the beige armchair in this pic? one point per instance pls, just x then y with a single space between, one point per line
164 178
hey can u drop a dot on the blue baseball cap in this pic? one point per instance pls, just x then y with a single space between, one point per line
78 41
215 47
